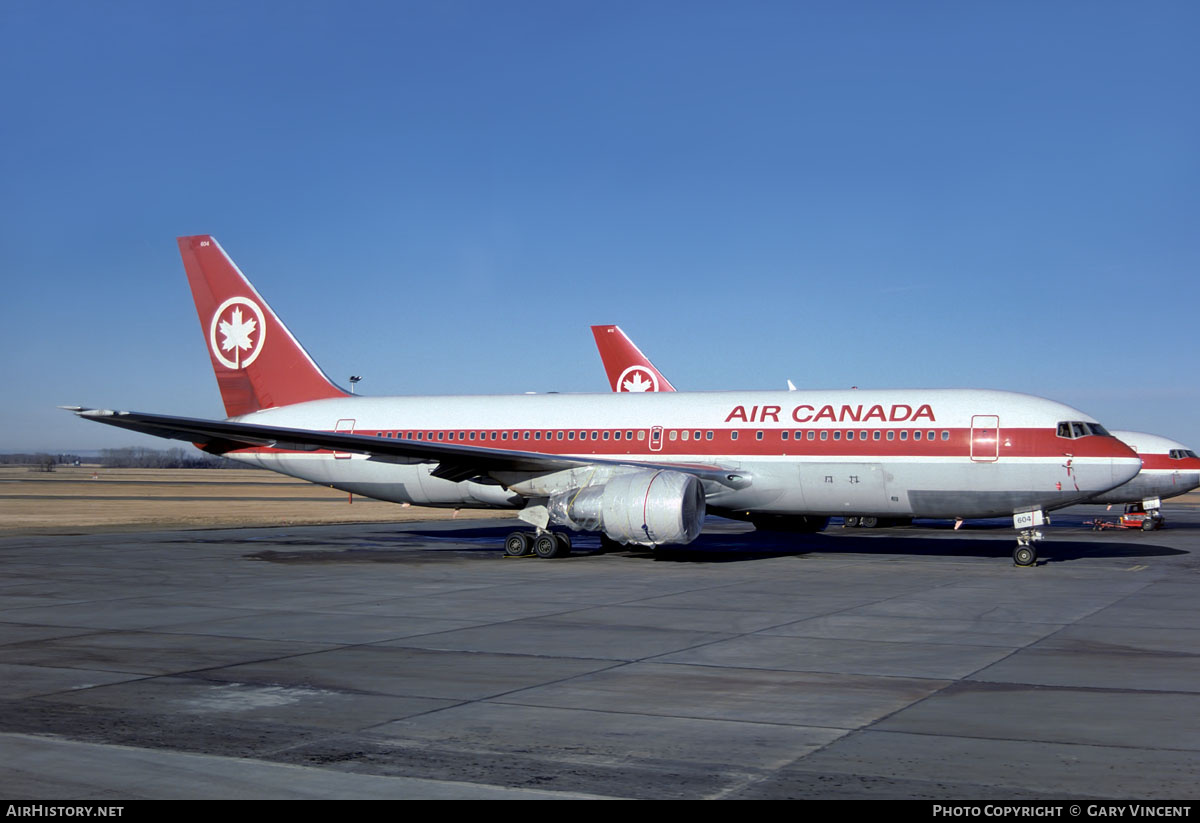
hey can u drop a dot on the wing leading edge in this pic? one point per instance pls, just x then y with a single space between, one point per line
455 462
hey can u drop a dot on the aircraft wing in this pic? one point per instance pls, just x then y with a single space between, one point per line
455 461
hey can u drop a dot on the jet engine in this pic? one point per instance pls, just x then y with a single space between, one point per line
646 507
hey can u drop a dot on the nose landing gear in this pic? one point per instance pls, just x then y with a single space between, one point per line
1025 554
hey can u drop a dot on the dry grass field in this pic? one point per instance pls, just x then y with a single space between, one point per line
89 499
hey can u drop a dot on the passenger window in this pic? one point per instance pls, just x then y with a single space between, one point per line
891 435
837 435
441 435
758 436
570 435
616 435
932 435
697 435
825 435
916 435
904 434
849 435
641 434
674 435
420 435
783 435
875 435
683 435
537 435
606 435
595 435
503 435
629 435
560 435
708 435
811 434
733 435
945 435
451 436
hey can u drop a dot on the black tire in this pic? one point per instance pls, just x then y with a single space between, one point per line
869 522
517 544
851 522
546 546
1024 555
1147 525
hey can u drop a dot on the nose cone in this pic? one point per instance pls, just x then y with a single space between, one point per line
1125 462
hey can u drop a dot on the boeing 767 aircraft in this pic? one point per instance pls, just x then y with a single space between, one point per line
1169 468
640 468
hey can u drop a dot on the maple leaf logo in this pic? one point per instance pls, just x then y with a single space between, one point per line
237 333
636 382
240 323
636 379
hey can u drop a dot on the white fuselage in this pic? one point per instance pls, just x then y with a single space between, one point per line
1168 470
923 453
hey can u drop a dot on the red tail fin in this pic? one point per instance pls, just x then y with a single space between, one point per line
259 365
628 369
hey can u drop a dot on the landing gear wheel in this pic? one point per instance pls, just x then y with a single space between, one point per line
1024 555
852 522
518 544
549 545
869 522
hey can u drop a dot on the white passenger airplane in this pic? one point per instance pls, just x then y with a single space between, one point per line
1169 468
639 469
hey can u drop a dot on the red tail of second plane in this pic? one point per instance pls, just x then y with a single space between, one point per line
257 361
628 369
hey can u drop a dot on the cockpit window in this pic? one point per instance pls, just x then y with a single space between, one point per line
1075 429
1179 454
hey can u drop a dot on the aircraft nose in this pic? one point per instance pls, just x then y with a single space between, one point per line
1125 462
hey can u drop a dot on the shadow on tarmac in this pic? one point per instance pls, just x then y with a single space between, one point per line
716 545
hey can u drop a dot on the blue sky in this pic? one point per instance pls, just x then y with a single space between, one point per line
442 196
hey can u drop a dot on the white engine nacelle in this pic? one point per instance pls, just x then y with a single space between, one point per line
647 508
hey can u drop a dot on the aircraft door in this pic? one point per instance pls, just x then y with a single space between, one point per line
985 438
344 426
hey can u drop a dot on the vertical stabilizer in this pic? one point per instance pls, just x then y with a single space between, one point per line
257 361
628 369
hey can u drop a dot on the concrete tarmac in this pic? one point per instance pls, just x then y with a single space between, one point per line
414 661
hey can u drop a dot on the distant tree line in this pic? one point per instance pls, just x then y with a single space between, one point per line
130 457
136 457
40 460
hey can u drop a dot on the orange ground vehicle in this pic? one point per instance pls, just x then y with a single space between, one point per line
1134 517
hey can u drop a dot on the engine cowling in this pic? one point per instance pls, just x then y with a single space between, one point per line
645 507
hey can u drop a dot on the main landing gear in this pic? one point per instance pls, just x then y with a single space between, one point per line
543 544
